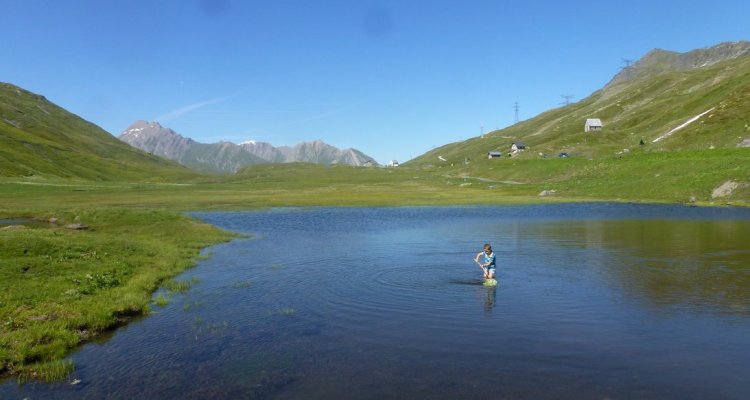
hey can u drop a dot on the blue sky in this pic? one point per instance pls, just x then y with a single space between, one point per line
391 78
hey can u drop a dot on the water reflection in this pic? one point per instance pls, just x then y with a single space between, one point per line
489 298
693 264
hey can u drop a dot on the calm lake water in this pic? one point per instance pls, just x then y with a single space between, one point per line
594 301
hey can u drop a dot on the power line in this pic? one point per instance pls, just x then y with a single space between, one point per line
567 98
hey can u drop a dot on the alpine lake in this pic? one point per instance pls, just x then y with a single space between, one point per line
594 300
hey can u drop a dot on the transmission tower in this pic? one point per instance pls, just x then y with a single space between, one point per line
626 63
515 108
566 98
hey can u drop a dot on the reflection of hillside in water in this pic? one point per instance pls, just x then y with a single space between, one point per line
667 262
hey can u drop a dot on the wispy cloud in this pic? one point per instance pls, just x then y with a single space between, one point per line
174 114
314 117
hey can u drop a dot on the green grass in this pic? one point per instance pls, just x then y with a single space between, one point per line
675 177
59 288
254 188
647 176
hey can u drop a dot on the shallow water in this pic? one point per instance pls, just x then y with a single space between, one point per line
594 301
21 221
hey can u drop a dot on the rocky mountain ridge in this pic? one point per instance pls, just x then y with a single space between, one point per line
658 61
229 157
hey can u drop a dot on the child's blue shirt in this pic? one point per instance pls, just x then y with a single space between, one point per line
489 259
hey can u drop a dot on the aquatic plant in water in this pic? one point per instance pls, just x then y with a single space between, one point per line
288 312
243 284
192 305
161 301
47 372
175 286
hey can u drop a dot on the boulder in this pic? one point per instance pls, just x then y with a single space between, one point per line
547 193
725 189
77 226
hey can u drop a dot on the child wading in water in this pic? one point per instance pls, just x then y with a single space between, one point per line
488 261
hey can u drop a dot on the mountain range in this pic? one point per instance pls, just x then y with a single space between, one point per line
229 157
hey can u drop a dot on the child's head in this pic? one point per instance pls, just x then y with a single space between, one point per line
487 248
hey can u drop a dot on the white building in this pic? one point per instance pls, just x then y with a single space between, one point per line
593 124
517 146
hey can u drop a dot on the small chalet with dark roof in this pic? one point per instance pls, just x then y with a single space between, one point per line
517 146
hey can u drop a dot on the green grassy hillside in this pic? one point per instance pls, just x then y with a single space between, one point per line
40 139
678 177
643 108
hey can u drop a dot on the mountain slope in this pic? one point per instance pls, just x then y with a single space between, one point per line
230 157
697 100
38 138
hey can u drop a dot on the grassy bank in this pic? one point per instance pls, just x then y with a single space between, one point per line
60 287
673 177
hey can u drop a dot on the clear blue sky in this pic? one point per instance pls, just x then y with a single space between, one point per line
391 78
